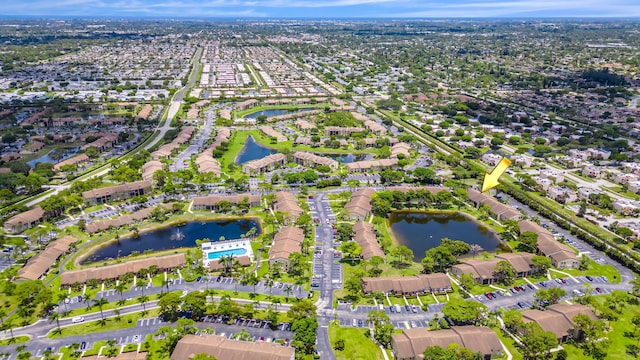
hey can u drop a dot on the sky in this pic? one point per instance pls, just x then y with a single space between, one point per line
301 9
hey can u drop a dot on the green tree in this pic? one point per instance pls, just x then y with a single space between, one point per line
504 272
541 264
351 250
100 303
304 337
528 241
54 316
301 309
196 303
169 305
353 286
382 327
464 311
546 297
404 255
537 344
593 332
467 282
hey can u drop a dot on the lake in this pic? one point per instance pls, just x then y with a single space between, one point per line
48 159
173 237
349 158
274 112
252 151
421 231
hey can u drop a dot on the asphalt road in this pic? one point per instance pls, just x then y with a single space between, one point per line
324 235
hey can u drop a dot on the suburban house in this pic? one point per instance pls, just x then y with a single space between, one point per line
341 131
411 343
483 272
267 163
223 348
311 160
359 206
561 255
40 264
369 165
400 148
287 203
118 192
115 271
23 221
286 242
150 168
365 236
214 202
408 285
123 220
558 319
498 209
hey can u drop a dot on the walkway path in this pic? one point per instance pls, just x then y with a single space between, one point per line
566 274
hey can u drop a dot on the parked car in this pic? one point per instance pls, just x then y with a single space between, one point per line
589 278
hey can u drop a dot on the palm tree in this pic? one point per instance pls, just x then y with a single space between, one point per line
276 302
62 297
86 299
288 290
116 312
101 302
269 285
227 263
8 324
54 316
120 288
143 300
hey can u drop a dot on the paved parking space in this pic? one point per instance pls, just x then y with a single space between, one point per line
149 322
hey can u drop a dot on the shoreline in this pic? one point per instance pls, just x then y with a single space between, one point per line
395 241
129 234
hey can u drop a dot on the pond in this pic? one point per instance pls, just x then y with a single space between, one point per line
349 158
421 231
274 112
252 151
173 237
51 157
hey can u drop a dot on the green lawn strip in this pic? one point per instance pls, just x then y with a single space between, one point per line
357 343
573 352
618 190
111 305
15 340
510 344
595 269
427 299
130 348
96 348
413 300
126 321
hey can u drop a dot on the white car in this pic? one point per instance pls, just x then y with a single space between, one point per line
77 319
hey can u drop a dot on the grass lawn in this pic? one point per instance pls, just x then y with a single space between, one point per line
126 322
357 344
510 344
594 269
96 348
15 340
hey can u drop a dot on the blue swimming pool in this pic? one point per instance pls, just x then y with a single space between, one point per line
219 254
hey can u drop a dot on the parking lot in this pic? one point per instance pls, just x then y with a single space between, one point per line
522 296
